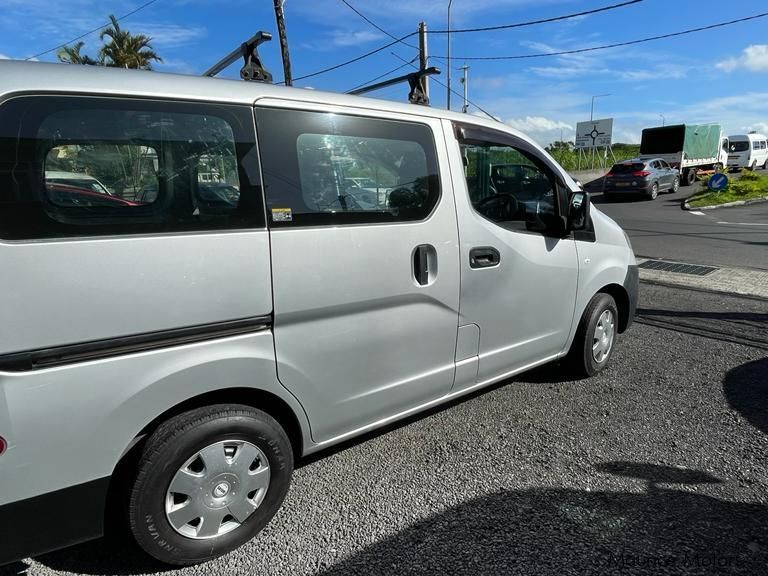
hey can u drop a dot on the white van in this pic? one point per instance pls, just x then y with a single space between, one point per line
748 151
169 355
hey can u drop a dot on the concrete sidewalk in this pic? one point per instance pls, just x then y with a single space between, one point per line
744 281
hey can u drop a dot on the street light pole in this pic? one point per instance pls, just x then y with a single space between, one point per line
592 108
448 83
663 120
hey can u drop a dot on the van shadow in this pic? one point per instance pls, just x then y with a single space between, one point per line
746 390
655 528
546 531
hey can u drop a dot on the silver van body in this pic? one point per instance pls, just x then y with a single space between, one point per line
332 329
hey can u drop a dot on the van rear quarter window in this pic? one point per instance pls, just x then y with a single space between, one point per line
329 169
79 166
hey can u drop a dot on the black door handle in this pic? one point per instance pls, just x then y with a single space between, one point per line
484 257
421 264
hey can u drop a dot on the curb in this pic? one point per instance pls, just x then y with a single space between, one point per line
746 282
685 205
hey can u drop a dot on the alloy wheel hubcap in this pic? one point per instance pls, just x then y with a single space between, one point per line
602 340
217 489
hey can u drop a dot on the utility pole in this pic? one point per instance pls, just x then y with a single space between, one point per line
448 66
465 82
280 17
423 57
592 108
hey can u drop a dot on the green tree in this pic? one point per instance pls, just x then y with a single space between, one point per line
121 50
126 50
71 55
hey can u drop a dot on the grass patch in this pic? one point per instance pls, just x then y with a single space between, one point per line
748 187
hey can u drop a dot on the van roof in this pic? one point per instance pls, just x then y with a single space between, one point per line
44 77
749 137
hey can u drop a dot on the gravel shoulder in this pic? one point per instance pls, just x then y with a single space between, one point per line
656 466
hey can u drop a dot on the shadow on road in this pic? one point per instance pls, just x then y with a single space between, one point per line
745 328
107 556
746 389
561 531
720 316
653 529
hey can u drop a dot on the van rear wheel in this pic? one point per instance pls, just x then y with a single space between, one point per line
208 480
595 338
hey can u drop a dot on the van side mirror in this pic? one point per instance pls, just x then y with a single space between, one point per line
578 211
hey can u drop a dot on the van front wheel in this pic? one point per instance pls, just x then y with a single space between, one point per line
207 482
595 337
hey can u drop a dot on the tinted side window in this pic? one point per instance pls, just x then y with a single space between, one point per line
329 169
73 166
756 145
507 186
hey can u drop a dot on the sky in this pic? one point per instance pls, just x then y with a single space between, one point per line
718 75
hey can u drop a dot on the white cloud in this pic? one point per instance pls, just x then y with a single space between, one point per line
168 35
4 57
754 58
543 130
344 38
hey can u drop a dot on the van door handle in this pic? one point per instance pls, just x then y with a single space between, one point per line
421 257
484 257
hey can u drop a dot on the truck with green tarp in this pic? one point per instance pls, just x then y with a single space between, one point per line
688 147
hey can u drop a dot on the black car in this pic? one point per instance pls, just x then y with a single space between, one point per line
641 176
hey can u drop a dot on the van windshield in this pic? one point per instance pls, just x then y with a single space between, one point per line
739 146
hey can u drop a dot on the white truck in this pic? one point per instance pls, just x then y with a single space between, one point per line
688 147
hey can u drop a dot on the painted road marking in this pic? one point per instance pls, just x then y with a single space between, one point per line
744 223
696 212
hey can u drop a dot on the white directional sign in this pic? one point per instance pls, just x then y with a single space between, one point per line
594 134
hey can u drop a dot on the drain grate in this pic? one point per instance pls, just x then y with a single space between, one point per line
677 267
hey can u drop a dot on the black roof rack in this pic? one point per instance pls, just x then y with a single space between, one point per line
253 69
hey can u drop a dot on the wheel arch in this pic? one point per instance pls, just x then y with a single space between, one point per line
263 400
620 296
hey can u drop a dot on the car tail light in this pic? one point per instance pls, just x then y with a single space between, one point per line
3 445
610 174
641 173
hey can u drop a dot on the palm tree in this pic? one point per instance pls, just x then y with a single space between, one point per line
126 50
71 55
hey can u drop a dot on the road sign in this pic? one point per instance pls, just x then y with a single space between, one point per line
594 134
718 182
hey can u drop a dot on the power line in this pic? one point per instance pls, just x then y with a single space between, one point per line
353 60
534 22
606 46
491 116
124 16
372 80
372 23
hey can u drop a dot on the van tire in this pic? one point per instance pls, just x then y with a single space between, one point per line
219 431
581 357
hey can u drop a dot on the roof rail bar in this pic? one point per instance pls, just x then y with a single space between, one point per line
253 69
416 81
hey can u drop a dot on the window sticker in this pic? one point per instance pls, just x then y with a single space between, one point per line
282 215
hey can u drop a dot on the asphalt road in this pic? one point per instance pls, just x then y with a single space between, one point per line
659 465
661 229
